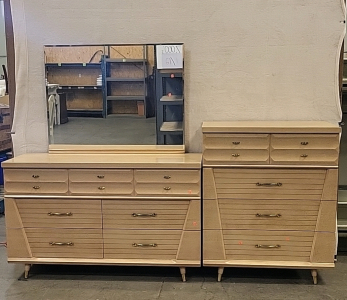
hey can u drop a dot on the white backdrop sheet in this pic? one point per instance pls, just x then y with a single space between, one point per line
244 60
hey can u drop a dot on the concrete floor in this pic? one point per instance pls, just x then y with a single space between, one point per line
112 283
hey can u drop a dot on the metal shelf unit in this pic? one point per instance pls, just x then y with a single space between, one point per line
170 107
110 82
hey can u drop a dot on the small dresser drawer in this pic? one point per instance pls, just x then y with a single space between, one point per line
167 176
305 141
101 175
141 244
236 141
58 213
36 181
236 156
168 189
65 243
102 188
268 245
145 214
305 157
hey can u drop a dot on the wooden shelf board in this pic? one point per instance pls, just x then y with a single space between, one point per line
173 98
124 60
71 65
171 127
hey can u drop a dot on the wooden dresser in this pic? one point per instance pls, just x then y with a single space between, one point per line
270 194
114 209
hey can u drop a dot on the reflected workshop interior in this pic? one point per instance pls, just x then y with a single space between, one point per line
115 94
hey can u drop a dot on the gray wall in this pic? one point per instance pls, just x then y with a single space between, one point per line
2 36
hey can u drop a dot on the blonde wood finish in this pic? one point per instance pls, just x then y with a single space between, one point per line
237 156
279 211
97 218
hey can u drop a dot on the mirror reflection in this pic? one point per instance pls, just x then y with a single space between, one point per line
115 94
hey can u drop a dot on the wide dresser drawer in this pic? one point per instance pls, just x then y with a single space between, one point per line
236 141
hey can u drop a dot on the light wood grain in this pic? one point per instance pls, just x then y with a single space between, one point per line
305 156
167 189
100 175
167 176
236 141
13 218
17 243
305 141
324 247
330 185
237 156
213 247
209 186
190 246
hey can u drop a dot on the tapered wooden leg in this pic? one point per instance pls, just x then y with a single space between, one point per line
26 271
314 274
220 273
183 273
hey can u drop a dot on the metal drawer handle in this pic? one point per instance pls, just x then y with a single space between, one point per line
235 155
68 214
144 245
269 184
61 244
144 215
304 143
268 246
268 216
236 143
101 176
101 188
304 155
36 176
167 176
36 187
167 188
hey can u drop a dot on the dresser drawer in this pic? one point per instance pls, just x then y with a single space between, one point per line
305 157
65 243
268 245
236 156
168 189
305 141
236 141
145 214
101 175
141 244
278 184
57 213
36 181
102 188
167 176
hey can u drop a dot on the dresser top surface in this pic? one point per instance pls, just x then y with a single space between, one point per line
270 127
108 161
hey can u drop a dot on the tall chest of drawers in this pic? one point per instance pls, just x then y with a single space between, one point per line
270 194
113 209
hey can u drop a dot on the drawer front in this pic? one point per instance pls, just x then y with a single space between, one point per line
58 213
270 214
101 175
167 176
144 214
141 244
305 141
65 243
268 245
102 188
39 188
236 156
35 175
280 184
168 189
236 141
305 157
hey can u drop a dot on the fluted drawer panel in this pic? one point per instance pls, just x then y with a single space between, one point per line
65 243
144 214
59 213
268 245
269 184
141 244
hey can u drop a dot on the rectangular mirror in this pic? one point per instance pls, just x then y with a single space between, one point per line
115 94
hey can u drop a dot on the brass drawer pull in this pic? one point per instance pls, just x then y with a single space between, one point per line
61 244
304 143
68 214
268 246
236 143
167 188
144 215
268 216
36 187
304 155
101 176
36 176
269 184
144 245
235 155
101 188
167 176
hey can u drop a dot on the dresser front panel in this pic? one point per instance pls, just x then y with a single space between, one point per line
101 175
168 189
236 141
102 188
305 141
167 176
236 156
